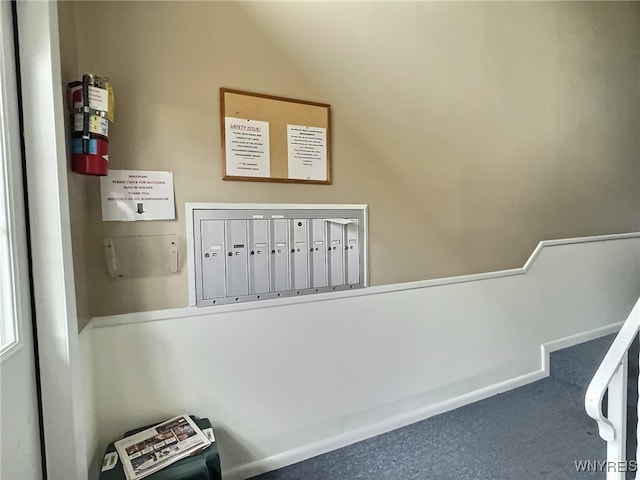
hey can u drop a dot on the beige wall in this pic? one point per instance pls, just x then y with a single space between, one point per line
472 130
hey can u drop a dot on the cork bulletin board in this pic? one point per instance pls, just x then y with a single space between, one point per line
274 139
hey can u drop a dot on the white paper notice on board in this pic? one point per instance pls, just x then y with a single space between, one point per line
131 195
307 147
247 147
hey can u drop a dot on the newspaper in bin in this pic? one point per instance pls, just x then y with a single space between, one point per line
152 449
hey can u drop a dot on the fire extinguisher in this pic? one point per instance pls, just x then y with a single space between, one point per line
91 106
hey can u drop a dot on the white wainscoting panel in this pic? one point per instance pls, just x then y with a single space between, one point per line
285 381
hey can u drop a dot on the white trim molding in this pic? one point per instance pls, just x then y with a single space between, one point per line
52 259
192 311
548 348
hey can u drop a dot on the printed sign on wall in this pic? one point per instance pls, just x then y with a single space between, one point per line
247 147
132 195
307 148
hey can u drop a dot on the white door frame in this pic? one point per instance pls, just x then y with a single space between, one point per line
52 257
19 403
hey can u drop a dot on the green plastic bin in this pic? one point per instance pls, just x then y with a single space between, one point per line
203 466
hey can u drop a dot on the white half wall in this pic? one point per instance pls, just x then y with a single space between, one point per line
286 380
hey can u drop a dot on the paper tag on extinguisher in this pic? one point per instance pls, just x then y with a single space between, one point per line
111 112
98 99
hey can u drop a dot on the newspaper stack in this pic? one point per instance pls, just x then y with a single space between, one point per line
153 449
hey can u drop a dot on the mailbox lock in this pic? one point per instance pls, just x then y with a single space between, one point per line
252 252
230 254
206 255
273 252
299 224
293 250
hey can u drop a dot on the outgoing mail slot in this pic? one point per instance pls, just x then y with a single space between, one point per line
279 255
236 259
318 253
299 254
335 253
213 259
258 256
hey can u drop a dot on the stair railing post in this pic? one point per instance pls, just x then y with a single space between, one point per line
617 415
611 377
637 392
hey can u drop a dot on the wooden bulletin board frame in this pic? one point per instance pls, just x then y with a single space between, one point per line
274 139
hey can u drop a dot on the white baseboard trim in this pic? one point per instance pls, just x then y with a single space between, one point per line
305 452
571 340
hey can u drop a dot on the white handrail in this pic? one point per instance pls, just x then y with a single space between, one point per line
611 376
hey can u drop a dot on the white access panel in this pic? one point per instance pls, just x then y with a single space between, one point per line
279 260
212 259
318 257
236 265
299 253
351 248
335 252
248 252
258 256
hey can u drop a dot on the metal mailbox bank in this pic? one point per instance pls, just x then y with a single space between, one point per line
242 252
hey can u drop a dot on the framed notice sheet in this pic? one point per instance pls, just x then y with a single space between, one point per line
274 139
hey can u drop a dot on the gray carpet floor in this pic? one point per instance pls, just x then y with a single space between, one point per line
535 432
